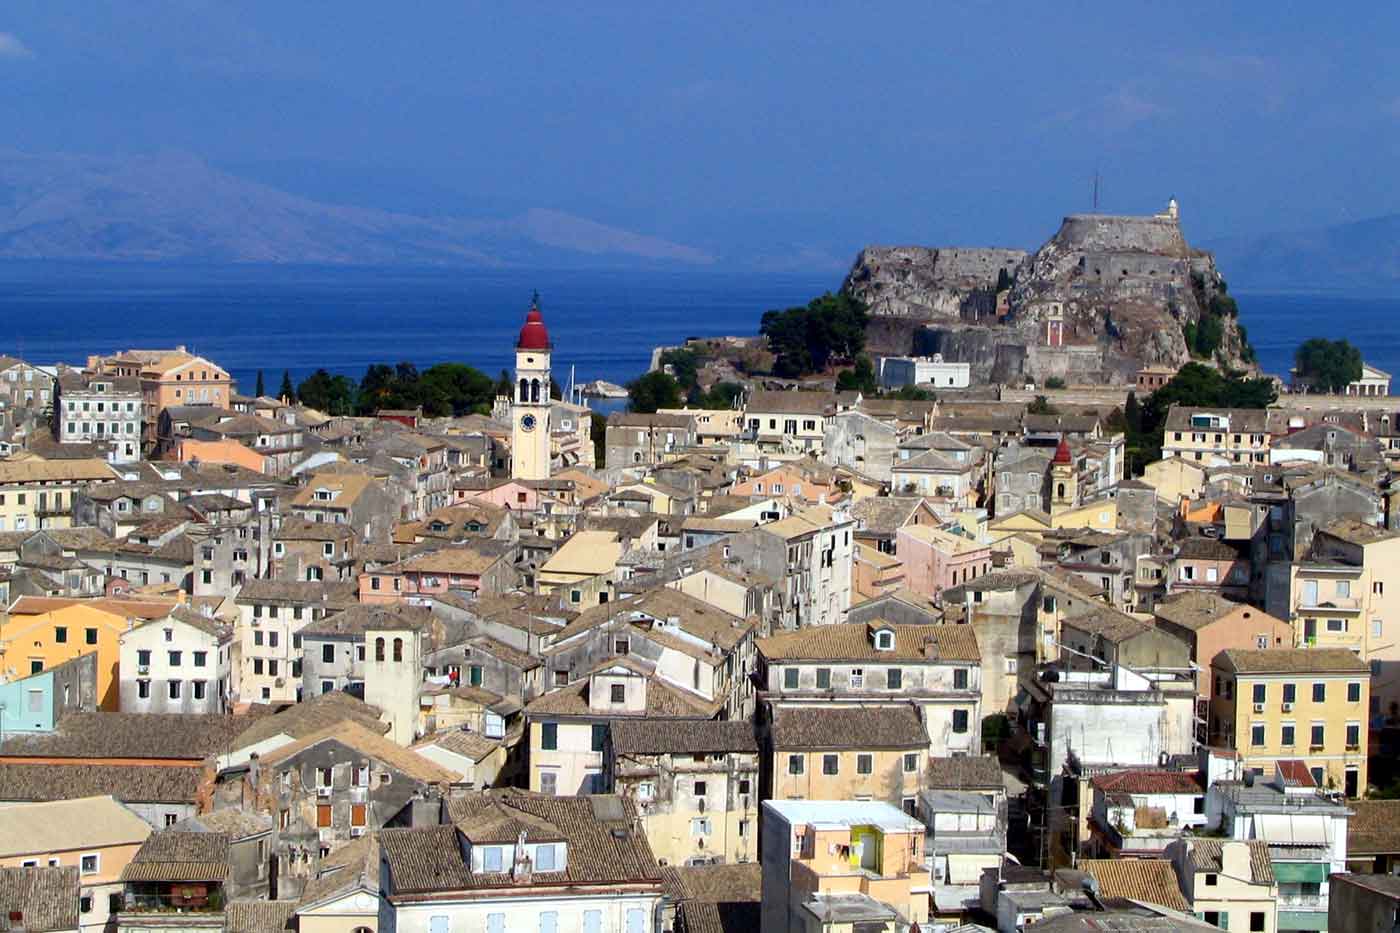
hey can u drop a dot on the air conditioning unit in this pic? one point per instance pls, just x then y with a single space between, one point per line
1288 707
1259 707
356 831
143 668
323 792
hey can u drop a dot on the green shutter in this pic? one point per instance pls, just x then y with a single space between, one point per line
1300 872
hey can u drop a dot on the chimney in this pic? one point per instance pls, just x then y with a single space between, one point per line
1234 860
522 869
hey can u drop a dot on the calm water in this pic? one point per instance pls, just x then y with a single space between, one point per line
602 323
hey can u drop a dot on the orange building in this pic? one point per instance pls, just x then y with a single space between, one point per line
41 633
169 378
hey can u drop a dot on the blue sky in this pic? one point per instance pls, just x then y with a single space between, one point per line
820 126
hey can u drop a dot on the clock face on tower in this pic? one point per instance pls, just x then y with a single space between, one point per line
527 423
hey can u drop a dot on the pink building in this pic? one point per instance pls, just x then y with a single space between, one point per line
511 494
481 570
935 559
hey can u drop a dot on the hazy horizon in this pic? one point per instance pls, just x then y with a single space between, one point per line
806 132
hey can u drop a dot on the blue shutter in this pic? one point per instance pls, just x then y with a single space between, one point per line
495 923
549 922
636 920
437 924
592 921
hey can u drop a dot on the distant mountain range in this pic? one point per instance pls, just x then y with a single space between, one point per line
174 207
1360 256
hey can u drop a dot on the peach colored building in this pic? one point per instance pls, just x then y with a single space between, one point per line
841 865
514 494
1210 624
935 559
481 569
223 452
170 377
874 574
811 485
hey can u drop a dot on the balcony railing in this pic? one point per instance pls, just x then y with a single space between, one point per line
1303 901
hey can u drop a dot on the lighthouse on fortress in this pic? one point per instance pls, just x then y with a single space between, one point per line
530 404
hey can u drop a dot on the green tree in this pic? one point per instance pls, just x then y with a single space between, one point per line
1041 406
653 391
286 391
333 395
1132 413
1054 382
260 391
806 339
722 396
454 389
504 384
685 366
598 431
1195 385
859 379
912 394
1330 365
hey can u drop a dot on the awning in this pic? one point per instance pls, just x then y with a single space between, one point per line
967 869
1292 829
1300 872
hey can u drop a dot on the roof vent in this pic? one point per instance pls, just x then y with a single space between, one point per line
619 833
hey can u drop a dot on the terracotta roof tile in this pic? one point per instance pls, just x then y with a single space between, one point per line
854 642
180 856
821 726
46 899
1140 879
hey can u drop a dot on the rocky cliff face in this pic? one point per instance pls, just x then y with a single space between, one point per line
1123 290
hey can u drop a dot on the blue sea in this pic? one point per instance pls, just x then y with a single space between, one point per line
603 323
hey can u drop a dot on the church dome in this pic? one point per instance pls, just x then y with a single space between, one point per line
534 335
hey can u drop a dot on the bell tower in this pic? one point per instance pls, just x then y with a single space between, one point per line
530 402
1064 480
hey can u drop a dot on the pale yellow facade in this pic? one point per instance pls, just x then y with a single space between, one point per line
889 775
1175 478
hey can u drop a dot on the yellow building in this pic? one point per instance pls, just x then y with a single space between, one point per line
695 784
1346 594
96 835
1294 704
1229 883
42 633
825 752
37 494
582 569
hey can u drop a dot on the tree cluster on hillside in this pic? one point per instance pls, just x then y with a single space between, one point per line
685 366
1194 385
1330 365
805 339
1206 335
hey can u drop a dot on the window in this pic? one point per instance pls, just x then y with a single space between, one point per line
1344 588
549 921
789 678
257 665
549 783
1256 921
90 863
1353 735
1290 693
894 678
1319 735
618 693
85 904
544 858
90 636
495 923
911 762
258 637
327 654
700 827
143 689
379 649
823 678
1354 692
1319 693
549 736
699 788
599 736
960 721
1287 735
621 645
60 634
174 658
960 678
272 639
796 764
831 764
865 763
174 689
1256 734
200 658
200 689
398 649
1260 693
884 641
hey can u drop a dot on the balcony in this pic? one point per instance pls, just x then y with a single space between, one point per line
1325 604
1302 901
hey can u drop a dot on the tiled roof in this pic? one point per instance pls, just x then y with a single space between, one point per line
363 617
259 916
1108 623
356 737
471 745
286 591
1140 879
708 917
1355 532
1148 782
1292 661
302 719
475 558
180 856
355 864
1195 609
854 642
790 402
301 529
233 822
969 772
644 737
504 652
127 783
46 899
663 701
1374 829
717 898
182 736
1206 855
60 825
843 727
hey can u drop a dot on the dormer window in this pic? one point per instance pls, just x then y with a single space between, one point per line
492 858
884 640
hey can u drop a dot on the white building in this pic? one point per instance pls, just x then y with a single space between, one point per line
510 862
896 371
178 664
99 408
271 615
812 553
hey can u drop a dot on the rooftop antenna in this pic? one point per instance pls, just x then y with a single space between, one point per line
1096 189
